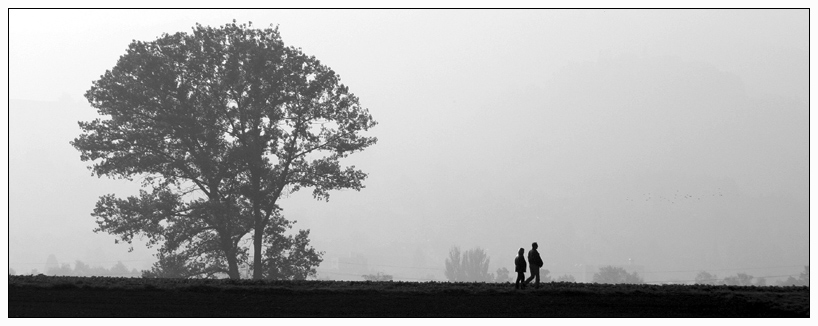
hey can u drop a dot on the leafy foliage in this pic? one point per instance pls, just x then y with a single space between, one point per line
616 275
471 266
566 278
288 257
218 124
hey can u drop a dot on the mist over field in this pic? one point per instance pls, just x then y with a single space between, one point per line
670 141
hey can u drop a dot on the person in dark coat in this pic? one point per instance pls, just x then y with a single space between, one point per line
535 262
519 267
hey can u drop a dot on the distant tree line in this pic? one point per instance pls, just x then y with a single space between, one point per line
379 277
473 265
744 279
82 269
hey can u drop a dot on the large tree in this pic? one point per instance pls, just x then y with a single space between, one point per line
219 124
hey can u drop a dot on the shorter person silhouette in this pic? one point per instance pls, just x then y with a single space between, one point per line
519 267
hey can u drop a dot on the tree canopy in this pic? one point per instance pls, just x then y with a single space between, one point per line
218 124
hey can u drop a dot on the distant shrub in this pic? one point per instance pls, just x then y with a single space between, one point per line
741 279
503 275
706 278
802 280
616 275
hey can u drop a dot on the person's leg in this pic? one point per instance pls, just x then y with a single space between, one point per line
520 280
537 280
533 274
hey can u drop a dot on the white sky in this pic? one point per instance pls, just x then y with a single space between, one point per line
496 128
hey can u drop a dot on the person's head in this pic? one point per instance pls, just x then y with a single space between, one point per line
521 252
534 245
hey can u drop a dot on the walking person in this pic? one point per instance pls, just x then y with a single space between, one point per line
519 267
535 262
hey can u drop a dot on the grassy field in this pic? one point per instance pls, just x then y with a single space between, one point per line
46 296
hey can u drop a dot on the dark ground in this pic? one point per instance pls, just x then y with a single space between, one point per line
50 298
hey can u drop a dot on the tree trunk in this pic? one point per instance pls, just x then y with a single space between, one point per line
258 227
232 266
257 237
230 254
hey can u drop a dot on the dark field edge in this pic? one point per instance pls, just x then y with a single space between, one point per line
44 296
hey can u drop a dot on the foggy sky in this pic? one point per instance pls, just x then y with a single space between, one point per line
673 139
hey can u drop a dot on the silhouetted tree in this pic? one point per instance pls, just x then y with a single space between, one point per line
218 124
472 266
616 275
706 278
566 278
